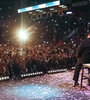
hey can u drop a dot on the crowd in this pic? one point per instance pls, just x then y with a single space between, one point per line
48 53
56 27
34 58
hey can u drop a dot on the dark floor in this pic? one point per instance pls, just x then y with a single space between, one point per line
57 86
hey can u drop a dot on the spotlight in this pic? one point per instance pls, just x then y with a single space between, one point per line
69 12
73 67
23 35
51 71
31 74
28 74
2 78
34 73
37 73
7 77
21 75
24 75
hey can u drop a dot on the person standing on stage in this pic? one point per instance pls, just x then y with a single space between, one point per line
83 56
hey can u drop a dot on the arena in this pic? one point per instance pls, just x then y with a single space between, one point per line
38 47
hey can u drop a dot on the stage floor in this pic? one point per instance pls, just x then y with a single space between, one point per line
57 86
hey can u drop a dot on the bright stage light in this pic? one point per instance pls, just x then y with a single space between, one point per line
23 35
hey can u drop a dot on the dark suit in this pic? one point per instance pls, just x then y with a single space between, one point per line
83 55
84 51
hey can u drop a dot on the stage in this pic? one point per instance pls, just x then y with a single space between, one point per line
58 86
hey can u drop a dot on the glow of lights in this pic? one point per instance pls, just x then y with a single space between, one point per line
54 71
42 6
23 35
69 12
36 7
36 91
21 75
24 75
2 78
8 77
